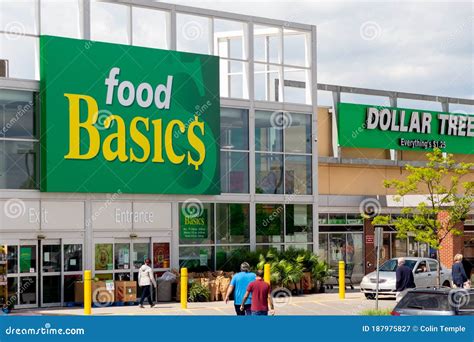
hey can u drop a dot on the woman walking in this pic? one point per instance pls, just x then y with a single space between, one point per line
458 273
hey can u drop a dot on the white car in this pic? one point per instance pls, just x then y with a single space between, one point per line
424 272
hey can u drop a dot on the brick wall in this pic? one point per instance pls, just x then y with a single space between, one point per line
451 246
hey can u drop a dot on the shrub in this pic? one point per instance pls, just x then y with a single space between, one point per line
199 293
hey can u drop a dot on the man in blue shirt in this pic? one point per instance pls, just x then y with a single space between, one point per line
240 281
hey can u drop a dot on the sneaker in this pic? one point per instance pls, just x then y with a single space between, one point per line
152 305
141 305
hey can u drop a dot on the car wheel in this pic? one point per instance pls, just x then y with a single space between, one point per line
447 284
369 296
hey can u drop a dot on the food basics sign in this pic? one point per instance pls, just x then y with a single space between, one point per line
118 117
404 129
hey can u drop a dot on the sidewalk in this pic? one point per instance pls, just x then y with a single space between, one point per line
313 304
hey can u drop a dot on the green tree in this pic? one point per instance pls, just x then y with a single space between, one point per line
447 202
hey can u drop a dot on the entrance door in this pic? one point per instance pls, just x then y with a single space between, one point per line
27 276
51 271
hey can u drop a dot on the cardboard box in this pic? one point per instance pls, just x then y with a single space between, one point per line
100 293
125 291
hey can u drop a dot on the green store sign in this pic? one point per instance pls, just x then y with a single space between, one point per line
134 119
194 226
367 126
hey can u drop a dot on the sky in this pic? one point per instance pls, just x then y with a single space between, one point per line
414 46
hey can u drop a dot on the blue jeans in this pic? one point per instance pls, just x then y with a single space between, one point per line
259 313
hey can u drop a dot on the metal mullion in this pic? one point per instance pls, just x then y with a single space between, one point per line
19 139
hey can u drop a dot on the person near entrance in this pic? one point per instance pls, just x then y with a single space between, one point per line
240 282
404 276
458 273
145 279
261 297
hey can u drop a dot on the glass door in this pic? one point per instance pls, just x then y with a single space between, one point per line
51 279
28 274
72 267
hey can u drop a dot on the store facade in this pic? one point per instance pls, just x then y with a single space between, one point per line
284 180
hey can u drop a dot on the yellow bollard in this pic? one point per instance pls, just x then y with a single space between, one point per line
266 273
184 288
342 280
87 292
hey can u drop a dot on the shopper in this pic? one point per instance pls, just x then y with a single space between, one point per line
145 279
240 282
261 297
458 273
404 276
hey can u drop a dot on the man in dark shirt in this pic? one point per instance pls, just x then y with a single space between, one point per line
405 279
261 296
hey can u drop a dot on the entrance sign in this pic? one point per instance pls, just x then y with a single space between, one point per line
118 117
369 126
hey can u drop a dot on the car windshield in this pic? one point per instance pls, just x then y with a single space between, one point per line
391 265
425 301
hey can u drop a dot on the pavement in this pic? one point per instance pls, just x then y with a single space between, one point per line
305 305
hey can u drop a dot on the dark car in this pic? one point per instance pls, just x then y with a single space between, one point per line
436 302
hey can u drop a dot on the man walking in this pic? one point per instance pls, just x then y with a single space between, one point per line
145 279
240 282
404 276
261 297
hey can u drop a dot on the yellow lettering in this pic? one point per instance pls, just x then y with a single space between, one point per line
158 136
119 136
140 139
75 127
172 156
196 143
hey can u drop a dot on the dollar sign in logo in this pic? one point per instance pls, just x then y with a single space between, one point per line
196 143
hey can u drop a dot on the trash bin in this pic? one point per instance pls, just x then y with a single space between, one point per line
164 290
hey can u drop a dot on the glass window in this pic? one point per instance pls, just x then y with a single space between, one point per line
296 45
336 247
229 258
269 223
69 281
299 246
299 223
323 247
267 80
233 79
234 129
192 33
110 22
196 259
399 247
22 54
28 293
122 256
298 175
61 18
51 289
265 248
323 218
297 86
141 251
12 259
267 44
353 253
230 38
297 132
18 114
268 173
12 284
51 258
122 276
234 172
196 223
269 131
104 276
161 255
232 223
103 256
18 164
72 258
27 259
19 16
150 28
